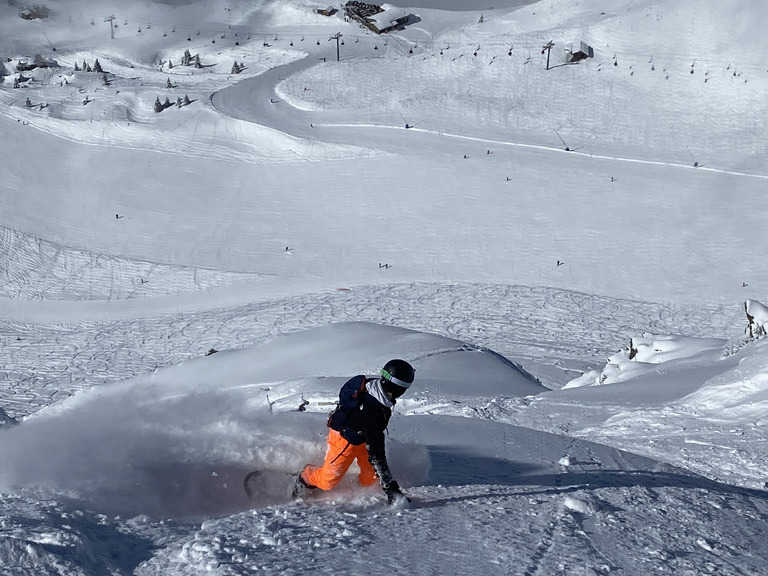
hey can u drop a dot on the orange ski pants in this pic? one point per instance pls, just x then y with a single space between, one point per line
338 458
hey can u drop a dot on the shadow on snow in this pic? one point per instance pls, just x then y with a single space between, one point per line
457 467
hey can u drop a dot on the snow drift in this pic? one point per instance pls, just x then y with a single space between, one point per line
180 441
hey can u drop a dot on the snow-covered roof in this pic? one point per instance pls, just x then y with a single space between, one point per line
388 17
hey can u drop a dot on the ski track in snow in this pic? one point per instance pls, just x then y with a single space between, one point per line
593 528
552 528
44 363
33 269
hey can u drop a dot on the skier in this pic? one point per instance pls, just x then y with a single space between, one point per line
357 433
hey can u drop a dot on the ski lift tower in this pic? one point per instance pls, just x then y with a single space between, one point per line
111 27
547 48
336 37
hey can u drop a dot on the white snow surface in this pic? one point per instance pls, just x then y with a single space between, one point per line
572 258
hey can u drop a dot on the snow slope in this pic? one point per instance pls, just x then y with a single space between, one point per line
563 254
633 196
178 443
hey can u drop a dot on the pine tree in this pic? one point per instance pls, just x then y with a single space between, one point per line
168 83
77 68
158 105
167 103
186 100
97 66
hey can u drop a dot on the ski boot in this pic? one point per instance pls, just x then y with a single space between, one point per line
300 489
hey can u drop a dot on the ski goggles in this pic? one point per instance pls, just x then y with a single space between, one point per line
387 376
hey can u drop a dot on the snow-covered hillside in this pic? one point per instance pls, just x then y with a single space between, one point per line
208 223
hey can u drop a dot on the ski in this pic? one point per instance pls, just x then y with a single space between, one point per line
269 486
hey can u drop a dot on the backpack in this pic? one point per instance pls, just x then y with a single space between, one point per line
350 398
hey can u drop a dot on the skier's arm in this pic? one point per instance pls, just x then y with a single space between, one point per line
388 483
377 456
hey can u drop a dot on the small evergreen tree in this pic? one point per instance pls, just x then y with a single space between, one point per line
97 66
77 68
186 100
167 103
158 105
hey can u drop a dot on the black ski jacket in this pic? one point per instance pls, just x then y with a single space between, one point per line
370 421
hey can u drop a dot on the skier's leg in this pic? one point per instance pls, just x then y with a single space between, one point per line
367 476
338 458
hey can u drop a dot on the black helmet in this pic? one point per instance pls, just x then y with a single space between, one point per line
397 377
